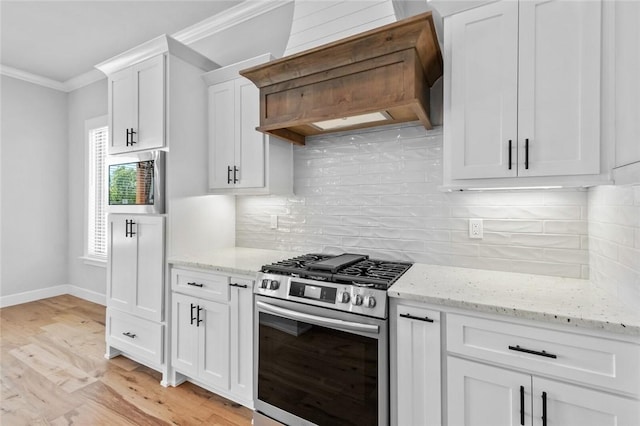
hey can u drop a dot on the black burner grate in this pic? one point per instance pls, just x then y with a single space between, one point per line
373 273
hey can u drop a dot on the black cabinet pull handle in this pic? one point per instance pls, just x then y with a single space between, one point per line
522 405
235 174
510 154
199 320
129 334
196 284
544 409
127 136
228 174
128 230
409 316
192 317
517 348
238 285
526 153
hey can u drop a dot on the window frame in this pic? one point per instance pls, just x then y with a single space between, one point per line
90 125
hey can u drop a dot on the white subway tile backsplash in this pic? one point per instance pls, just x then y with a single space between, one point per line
496 225
376 192
614 240
574 227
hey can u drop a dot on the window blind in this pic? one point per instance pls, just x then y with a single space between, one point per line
97 218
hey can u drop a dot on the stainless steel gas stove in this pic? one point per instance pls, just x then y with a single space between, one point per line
348 282
321 336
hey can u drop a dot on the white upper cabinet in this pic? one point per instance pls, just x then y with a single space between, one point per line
241 159
627 92
136 105
523 90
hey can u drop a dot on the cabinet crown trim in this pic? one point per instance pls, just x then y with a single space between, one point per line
154 47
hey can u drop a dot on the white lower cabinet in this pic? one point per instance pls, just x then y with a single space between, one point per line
212 340
418 373
480 394
135 320
459 368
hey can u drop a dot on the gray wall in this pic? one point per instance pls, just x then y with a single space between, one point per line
85 103
34 188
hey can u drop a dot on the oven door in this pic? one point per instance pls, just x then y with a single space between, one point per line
317 366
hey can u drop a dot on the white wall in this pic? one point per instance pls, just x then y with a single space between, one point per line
34 187
85 103
377 192
614 240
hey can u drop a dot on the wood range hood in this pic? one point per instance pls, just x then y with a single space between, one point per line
378 77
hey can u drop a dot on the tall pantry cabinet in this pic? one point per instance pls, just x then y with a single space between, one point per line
157 100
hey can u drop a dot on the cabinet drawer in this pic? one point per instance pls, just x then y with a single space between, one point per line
134 335
200 284
598 361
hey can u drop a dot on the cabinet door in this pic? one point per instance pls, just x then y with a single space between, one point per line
418 355
184 331
121 279
627 106
559 88
484 73
242 338
569 405
250 144
214 343
221 135
149 103
149 289
482 395
121 104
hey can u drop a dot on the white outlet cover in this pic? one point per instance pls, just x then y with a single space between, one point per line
475 229
274 221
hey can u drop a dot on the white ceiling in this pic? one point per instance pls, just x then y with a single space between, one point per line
61 40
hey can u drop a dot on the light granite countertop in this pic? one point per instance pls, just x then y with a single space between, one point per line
567 301
233 260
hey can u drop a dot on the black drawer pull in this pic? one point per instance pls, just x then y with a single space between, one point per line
196 284
238 285
129 334
517 348
509 154
409 316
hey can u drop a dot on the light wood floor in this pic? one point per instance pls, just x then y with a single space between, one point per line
53 372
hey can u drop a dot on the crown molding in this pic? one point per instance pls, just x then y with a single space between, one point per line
32 78
82 80
227 19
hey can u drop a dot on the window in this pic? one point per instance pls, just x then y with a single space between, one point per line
97 133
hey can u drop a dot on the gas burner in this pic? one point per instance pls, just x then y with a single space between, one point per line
350 269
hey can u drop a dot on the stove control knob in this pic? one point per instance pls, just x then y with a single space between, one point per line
357 300
343 297
264 283
274 285
369 302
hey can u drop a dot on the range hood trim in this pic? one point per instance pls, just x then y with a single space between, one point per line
401 63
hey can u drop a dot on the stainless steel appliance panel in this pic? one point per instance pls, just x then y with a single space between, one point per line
318 366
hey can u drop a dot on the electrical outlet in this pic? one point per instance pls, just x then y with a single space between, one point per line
274 221
475 229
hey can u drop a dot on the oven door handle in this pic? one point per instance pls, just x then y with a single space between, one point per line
322 321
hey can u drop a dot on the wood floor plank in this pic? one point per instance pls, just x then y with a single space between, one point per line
33 391
53 372
64 375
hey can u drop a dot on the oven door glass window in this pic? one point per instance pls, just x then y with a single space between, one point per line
322 375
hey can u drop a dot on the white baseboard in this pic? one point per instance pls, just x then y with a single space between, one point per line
90 295
44 293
